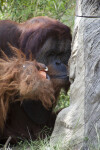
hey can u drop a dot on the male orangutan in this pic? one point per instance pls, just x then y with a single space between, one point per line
49 41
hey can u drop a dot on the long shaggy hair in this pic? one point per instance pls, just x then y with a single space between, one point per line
20 79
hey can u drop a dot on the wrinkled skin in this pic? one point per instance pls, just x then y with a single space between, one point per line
49 41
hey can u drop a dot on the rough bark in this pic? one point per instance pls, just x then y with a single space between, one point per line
88 7
78 126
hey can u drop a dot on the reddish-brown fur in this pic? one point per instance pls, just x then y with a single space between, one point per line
31 35
19 77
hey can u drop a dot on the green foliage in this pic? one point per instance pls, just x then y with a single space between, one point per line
63 101
21 10
38 145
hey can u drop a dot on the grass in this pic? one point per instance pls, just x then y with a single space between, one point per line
22 10
63 101
39 145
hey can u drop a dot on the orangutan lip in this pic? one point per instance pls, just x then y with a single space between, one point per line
59 77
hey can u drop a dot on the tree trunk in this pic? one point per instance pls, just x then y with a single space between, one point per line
78 126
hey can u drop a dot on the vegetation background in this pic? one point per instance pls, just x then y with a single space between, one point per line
22 10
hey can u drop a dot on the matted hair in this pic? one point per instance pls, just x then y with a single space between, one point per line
20 79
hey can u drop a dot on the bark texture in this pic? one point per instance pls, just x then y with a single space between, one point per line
88 7
78 126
